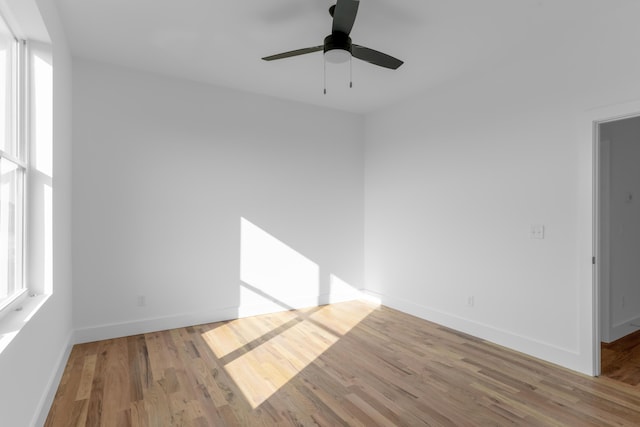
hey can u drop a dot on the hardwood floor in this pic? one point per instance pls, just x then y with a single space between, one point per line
344 364
621 359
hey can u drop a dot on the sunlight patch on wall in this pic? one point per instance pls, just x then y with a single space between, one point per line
6 338
277 275
341 290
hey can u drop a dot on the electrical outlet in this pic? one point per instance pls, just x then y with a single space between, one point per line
537 231
142 300
470 301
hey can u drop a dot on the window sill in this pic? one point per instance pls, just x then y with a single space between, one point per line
12 322
12 302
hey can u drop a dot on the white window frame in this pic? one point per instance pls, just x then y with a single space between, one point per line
21 160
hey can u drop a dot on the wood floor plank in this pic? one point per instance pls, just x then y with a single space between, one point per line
621 359
96 399
116 400
139 367
347 364
69 383
86 378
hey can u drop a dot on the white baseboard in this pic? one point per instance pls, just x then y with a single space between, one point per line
623 329
42 410
142 326
568 358
541 350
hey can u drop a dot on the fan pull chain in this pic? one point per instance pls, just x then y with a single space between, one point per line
324 74
350 71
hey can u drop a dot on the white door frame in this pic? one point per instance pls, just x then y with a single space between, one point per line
591 121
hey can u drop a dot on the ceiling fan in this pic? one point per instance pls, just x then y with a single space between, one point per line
337 46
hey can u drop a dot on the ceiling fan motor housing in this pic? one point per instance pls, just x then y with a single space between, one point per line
337 47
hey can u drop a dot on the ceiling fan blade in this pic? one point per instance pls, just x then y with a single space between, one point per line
344 15
293 53
375 57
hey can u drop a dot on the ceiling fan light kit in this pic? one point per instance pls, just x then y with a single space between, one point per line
337 46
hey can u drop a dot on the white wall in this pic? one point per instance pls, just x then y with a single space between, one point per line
456 177
30 365
622 281
166 170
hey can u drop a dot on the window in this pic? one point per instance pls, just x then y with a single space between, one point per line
12 166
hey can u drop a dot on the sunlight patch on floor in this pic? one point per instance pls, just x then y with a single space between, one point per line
235 334
261 371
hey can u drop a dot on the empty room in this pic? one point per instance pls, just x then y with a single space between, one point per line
319 213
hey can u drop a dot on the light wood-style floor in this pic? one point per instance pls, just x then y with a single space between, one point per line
344 364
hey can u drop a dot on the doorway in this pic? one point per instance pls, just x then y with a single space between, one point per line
617 207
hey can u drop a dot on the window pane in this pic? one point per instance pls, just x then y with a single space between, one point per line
8 48
10 228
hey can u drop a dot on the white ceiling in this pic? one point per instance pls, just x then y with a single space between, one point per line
221 42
